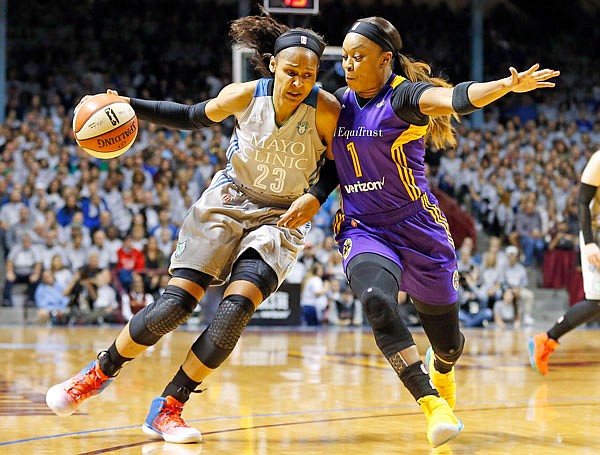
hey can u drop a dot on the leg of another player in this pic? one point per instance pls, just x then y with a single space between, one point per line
543 344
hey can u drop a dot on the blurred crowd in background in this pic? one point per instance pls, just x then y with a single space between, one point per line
90 240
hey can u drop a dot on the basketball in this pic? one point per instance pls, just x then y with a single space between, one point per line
105 126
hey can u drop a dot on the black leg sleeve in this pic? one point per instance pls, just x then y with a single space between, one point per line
578 314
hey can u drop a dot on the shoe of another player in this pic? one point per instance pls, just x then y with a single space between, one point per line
444 383
442 424
540 348
164 421
65 398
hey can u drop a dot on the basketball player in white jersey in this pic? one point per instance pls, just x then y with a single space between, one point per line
588 202
284 130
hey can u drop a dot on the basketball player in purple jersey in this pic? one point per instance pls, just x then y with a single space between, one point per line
390 230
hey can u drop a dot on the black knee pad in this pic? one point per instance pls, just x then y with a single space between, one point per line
380 308
218 340
368 270
162 316
449 352
440 323
257 272
391 333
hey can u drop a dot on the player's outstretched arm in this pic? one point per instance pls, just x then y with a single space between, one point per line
467 97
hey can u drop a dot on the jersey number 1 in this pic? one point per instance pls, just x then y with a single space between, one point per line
354 156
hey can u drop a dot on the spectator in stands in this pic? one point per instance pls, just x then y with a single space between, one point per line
490 280
164 224
23 265
136 298
10 214
324 249
166 243
506 311
53 195
516 281
105 305
63 275
155 264
50 300
112 243
313 298
105 251
50 248
562 238
23 225
129 260
472 311
138 236
65 214
65 236
75 252
83 287
91 207
344 308
528 226
449 172
334 270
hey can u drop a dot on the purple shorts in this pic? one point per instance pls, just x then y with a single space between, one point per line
422 247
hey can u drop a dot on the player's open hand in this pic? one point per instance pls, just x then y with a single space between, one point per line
300 212
592 253
531 79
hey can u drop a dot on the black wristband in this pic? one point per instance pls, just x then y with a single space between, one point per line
328 181
460 99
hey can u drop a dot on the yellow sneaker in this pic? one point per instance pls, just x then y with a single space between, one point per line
444 383
442 424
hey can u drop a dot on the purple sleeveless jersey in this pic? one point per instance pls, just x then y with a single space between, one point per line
387 208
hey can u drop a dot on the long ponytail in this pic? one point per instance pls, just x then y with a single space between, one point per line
440 132
258 33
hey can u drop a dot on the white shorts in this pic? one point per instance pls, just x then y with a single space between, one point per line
224 223
591 275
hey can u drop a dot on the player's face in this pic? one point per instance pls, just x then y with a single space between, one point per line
365 64
295 74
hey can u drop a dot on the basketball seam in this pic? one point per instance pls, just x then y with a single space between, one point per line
106 132
90 115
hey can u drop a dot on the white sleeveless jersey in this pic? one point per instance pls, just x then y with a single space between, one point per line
275 165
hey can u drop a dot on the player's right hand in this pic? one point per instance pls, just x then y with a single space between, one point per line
87 97
592 254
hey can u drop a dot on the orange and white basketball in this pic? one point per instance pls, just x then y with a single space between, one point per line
105 126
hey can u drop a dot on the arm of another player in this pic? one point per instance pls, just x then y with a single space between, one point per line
590 181
306 206
466 97
233 99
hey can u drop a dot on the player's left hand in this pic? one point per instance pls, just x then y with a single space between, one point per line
300 212
531 79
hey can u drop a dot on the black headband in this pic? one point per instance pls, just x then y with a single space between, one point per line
374 34
298 38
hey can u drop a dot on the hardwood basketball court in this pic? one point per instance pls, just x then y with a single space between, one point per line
302 392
